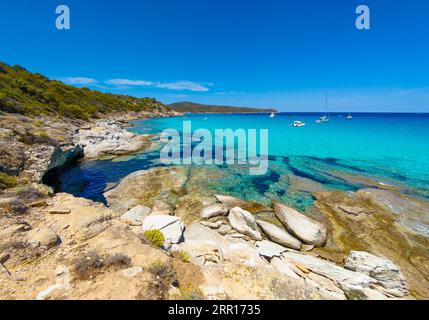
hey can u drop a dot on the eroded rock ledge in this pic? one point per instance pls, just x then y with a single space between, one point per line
160 239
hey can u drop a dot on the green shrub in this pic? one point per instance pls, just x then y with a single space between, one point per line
184 256
7 181
155 237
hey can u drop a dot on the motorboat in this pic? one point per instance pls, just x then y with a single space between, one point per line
298 124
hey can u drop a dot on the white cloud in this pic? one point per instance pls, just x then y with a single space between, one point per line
177 85
127 82
79 80
185 86
224 93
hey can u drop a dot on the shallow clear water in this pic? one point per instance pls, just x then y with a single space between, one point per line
342 154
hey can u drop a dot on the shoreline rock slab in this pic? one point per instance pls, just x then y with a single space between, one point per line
304 228
279 236
270 249
213 211
243 222
330 270
232 202
144 187
387 274
136 215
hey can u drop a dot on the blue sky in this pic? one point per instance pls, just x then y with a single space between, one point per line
280 54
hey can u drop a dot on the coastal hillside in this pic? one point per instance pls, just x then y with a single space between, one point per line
202 108
33 94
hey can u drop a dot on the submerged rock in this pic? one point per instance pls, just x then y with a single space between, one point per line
387 274
244 222
144 187
232 202
279 236
304 228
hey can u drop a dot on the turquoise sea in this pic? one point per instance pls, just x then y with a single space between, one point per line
369 150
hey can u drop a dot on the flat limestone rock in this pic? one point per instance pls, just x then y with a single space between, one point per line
304 228
136 215
244 222
145 187
284 267
387 274
279 236
207 247
330 270
215 210
270 249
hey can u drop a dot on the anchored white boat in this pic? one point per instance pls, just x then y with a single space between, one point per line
325 118
272 115
298 124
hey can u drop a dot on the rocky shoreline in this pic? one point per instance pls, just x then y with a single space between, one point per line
163 237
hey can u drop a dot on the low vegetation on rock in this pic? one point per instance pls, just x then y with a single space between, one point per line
155 237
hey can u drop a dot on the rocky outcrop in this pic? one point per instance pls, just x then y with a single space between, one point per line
42 237
136 215
60 159
213 211
232 202
145 187
106 139
330 270
270 249
244 222
279 236
387 274
380 230
304 228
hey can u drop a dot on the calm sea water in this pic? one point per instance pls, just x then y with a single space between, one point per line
342 154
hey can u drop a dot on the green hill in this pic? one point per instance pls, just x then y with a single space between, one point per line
201 108
30 93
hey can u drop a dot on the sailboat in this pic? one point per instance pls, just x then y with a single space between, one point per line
272 115
325 118
349 116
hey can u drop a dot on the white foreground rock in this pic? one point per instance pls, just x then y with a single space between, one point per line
387 274
270 249
330 270
244 222
215 210
136 215
284 267
304 228
171 227
279 236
